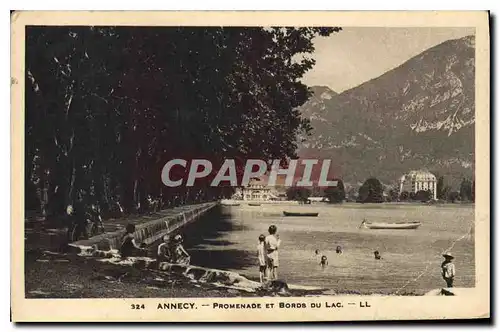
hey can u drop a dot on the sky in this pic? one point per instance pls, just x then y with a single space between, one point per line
355 55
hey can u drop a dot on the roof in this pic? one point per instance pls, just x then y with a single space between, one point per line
419 175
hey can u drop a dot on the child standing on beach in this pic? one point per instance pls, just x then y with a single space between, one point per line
448 269
272 243
261 254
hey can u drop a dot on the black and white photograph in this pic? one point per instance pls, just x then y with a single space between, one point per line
270 162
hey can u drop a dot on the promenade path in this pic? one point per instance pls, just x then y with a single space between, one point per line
42 234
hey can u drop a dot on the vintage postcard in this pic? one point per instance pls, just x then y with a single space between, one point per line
250 166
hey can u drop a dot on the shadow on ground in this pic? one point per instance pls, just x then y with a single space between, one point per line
208 232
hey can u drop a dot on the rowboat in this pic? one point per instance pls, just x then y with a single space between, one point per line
253 204
391 225
300 214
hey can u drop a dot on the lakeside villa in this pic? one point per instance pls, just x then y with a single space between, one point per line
259 190
256 190
415 181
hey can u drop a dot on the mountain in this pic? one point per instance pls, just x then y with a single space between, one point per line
417 115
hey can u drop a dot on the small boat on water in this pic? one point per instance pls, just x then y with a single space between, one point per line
253 204
300 214
391 225
230 204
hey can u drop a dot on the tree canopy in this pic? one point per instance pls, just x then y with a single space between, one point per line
467 190
300 194
371 191
423 195
336 194
106 107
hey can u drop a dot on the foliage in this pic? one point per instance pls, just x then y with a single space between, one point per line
423 195
300 194
466 190
371 191
453 196
393 195
317 191
442 190
473 191
106 107
404 196
336 194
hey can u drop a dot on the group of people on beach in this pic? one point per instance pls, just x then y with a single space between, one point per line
267 253
170 250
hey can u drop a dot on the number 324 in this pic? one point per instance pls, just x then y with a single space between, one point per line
137 306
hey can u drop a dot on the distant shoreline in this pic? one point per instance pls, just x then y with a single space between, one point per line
230 202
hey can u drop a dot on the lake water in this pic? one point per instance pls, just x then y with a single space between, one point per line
410 258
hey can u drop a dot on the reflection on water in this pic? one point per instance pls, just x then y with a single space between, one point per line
227 239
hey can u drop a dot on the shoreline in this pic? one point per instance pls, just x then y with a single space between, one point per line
245 203
42 264
89 277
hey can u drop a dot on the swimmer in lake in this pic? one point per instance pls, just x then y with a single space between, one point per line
324 261
377 254
338 250
317 256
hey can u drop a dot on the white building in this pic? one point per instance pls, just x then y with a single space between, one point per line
257 190
415 181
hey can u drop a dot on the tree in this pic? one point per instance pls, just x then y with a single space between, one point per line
473 191
466 190
393 195
404 196
423 195
442 190
352 194
317 191
106 107
300 194
371 191
439 188
336 194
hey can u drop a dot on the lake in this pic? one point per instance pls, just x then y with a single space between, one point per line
410 264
